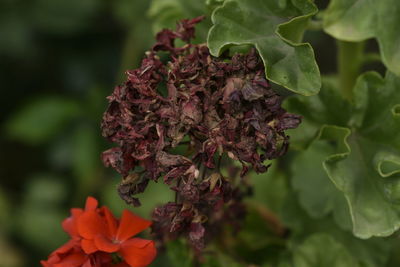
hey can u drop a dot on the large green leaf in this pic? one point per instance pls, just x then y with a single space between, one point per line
328 107
357 20
365 163
323 250
317 194
275 28
366 167
373 252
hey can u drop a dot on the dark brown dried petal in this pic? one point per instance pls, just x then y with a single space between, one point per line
179 118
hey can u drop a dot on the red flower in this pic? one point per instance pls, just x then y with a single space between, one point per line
96 233
71 255
102 232
70 224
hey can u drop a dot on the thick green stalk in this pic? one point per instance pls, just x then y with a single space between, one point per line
350 59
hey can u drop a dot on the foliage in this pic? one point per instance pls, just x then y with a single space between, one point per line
276 30
332 200
358 20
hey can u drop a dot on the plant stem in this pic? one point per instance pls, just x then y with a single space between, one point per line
349 60
315 25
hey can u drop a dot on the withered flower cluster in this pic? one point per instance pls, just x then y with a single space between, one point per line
214 108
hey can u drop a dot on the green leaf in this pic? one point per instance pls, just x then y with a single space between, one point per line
309 174
307 168
357 168
358 20
212 4
275 28
365 163
42 119
323 250
328 107
373 252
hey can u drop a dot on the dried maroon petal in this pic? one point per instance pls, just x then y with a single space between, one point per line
210 109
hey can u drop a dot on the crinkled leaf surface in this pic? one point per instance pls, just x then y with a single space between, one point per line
323 250
307 169
275 28
365 163
328 107
357 20
369 253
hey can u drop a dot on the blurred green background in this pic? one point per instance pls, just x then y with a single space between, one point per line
59 59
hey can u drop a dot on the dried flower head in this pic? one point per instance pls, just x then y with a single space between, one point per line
182 97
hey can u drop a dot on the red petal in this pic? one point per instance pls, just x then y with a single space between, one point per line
104 244
66 247
138 252
88 246
76 212
73 260
91 203
88 264
70 224
130 225
91 224
111 221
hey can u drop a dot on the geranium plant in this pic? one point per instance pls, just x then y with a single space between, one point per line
271 163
